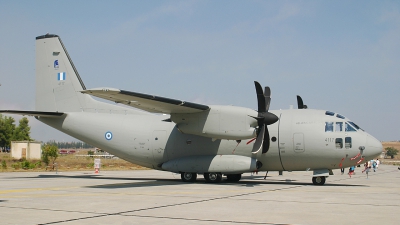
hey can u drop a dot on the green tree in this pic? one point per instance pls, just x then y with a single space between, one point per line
23 131
3 165
390 151
91 153
49 154
7 128
70 144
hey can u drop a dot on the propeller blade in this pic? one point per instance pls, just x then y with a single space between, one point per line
263 118
300 104
267 95
265 147
258 145
260 97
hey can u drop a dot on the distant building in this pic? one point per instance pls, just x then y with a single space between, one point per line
26 149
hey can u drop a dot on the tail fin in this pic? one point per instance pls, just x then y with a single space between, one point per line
58 83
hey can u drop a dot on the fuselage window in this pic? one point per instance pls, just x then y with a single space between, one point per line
339 143
329 113
328 126
349 128
339 127
347 141
340 116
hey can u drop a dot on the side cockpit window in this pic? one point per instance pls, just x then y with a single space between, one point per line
339 127
329 126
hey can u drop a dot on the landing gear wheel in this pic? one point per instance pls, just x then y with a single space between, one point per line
318 180
234 177
213 177
189 177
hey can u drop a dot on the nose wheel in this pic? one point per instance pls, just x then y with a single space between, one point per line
318 180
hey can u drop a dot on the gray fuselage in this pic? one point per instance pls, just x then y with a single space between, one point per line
299 140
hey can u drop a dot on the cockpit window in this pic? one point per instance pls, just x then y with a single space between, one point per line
329 126
349 128
354 125
339 127
329 113
340 116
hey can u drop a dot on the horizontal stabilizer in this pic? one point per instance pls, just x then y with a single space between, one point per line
150 103
32 113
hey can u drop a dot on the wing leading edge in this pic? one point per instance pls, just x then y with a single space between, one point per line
32 113
150 103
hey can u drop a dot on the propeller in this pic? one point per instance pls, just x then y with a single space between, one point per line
263 118
300 104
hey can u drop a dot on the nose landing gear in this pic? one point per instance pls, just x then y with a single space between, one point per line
318 180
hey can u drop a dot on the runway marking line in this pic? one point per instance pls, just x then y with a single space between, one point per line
2 192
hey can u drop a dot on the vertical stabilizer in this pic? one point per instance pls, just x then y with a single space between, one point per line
58 83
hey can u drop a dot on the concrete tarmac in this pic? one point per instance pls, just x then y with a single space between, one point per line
156 197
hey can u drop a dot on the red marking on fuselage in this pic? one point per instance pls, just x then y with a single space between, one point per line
355 157
340 164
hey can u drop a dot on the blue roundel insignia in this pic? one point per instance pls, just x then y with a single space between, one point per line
108 135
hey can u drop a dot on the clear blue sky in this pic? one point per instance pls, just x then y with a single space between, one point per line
342 56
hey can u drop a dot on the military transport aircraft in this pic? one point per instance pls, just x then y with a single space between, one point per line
189 138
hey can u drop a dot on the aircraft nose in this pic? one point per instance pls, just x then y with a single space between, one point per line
373 148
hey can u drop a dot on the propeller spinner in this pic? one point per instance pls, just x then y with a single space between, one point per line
263 118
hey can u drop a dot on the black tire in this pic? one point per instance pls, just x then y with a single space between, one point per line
318 180
189 177
213 177
233 177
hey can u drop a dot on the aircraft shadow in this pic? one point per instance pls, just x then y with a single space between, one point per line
149 182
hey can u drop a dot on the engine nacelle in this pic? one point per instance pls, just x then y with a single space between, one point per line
219 122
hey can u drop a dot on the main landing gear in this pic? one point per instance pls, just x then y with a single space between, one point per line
318 180
233 177
189 177
210 177
213 177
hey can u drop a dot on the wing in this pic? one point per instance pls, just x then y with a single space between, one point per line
150 103
32 113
